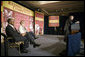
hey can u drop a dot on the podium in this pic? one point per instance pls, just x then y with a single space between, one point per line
73 46
75 28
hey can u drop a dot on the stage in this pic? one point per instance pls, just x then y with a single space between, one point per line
51 45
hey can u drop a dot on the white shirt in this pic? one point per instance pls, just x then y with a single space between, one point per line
22 29
31 27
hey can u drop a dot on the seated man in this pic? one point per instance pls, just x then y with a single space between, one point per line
28 35
12 32
33 35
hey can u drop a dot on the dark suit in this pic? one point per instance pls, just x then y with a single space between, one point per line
67 28
32 34
30 38
11 32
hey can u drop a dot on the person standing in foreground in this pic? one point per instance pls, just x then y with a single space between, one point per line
67 27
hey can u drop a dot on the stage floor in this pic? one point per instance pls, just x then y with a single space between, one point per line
51 45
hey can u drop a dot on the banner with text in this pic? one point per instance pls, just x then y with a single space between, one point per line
9 11
39 23
53 21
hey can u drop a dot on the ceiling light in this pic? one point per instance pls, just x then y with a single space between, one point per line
46 2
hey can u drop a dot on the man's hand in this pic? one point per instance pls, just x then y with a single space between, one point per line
77 22
23 34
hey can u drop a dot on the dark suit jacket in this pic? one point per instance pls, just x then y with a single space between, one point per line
11 32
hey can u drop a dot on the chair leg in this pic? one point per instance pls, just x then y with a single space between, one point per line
19 50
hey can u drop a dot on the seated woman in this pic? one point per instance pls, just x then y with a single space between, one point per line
28 35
